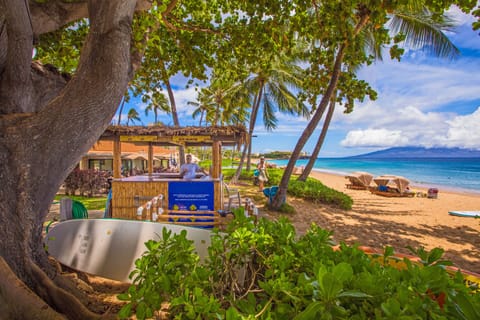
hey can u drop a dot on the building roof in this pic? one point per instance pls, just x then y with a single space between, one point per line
103 149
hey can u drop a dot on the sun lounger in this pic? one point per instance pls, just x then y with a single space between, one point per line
392 186
359 180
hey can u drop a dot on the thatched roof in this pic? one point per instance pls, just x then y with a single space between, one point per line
189 136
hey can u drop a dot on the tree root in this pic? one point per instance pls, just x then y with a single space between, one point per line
61 299
17 301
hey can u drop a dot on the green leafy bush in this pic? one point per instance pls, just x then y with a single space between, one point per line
317 192
312 190
266 271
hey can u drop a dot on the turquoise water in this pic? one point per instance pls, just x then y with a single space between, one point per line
451 173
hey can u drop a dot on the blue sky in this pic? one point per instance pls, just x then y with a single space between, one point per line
422 101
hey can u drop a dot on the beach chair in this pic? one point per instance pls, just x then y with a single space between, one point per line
359 180
233 195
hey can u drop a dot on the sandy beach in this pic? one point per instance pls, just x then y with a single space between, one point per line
377 221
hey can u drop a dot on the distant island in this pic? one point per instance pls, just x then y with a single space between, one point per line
283 155
419 152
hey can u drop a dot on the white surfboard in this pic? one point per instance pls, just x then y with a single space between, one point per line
471 214
109 247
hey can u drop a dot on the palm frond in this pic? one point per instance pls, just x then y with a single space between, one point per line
424 32
269 118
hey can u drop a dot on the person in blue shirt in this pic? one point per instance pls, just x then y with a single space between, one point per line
189 170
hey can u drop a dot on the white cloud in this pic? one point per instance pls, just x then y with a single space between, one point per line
182 97
411 127
464 132
374 138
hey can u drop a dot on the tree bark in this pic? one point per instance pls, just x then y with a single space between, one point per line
326 124
253 121
13 290
42 139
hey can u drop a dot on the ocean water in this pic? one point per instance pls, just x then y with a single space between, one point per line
458 174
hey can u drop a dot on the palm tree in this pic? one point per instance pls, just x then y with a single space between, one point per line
222 103
420 29
200 110
158 102
273 84
133 116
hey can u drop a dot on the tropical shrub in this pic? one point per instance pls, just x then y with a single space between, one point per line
266 271
88 182
312 190
317 192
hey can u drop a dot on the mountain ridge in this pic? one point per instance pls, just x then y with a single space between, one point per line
419 152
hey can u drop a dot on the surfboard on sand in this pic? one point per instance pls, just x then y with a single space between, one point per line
471 214
109 247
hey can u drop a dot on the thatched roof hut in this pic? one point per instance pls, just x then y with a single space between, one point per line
187 136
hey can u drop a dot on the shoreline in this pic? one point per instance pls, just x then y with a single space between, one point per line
375 221
423 187
449 177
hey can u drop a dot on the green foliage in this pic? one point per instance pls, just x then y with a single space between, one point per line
62 48
312 190
317 192
286 208
278 154
229 173
266 271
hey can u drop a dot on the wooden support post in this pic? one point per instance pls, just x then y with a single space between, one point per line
216 159
117 158
150 158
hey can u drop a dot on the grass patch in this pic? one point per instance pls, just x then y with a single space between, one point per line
93 203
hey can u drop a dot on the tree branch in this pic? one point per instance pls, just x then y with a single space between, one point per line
54 14
15 82
88 102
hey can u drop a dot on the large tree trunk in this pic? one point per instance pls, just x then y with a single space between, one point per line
43 136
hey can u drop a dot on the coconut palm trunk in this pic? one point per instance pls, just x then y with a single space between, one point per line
281 195
173 106
311 162
246 146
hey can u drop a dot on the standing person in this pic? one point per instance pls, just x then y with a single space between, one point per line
189 170
262 173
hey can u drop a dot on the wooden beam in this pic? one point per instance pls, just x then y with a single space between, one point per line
150 158
117 158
